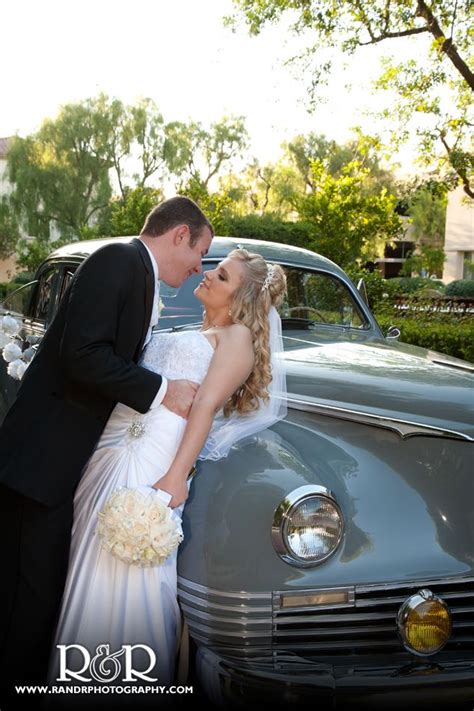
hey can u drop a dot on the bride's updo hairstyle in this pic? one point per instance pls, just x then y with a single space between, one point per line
263 285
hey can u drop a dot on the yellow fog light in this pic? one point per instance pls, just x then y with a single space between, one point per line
424 623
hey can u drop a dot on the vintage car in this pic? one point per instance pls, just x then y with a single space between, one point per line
330 559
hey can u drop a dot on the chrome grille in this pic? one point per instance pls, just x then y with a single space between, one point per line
369 625
249 623
236 619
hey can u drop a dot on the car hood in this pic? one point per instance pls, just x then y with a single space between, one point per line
393 380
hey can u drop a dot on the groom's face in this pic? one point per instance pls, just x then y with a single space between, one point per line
188 257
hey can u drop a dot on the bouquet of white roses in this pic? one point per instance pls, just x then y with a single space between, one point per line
138 527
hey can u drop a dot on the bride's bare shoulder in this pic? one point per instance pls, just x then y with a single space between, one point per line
238 330
237 334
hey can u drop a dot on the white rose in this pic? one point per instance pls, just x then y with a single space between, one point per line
20 371
10 325
11 352
4 338
13 367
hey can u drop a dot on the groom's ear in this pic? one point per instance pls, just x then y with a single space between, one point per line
181 234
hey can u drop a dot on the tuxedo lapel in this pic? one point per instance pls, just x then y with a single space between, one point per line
149 291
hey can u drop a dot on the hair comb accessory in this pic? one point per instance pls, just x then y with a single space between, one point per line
269 278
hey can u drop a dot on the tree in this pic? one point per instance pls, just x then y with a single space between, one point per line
438 84
263 189
127 214
9 233
61 173
32 252
349 224
198 154
303 150
217 206
428 216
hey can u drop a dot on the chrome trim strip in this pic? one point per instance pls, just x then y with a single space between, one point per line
318 621
404 428
240 595
245 622
457 366
334 632
371 587
208 605
212 632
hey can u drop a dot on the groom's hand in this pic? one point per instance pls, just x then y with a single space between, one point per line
180 396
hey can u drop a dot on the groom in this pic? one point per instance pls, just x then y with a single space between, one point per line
86 363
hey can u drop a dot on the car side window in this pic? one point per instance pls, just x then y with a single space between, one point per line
44 294
322 299
19 301
66 278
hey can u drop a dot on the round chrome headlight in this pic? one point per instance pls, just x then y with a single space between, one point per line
424 623
307 526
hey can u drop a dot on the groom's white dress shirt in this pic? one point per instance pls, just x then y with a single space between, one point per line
155 313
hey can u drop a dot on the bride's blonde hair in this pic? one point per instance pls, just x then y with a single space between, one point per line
263 285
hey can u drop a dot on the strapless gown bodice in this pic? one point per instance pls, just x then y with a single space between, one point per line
179 356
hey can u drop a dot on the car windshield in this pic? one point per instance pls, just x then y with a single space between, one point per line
313 299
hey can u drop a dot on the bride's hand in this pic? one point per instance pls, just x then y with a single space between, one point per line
176 487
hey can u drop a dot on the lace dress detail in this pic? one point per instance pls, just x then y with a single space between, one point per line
179 356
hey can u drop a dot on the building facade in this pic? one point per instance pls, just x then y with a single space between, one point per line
459 239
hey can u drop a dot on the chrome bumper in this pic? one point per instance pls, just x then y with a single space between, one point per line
235 683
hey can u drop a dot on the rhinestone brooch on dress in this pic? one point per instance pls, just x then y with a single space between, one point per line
136 429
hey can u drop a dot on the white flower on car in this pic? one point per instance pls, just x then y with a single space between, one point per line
13 368
137 527
11 352
18 359
4 339
20 371
10 325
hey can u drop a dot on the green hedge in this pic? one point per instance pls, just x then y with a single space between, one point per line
410 285
455 337
382 292
460 287
271 229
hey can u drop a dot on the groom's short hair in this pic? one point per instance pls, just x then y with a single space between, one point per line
176 211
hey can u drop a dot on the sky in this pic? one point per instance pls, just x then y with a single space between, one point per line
179 53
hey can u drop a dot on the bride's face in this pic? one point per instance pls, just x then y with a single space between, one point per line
219 285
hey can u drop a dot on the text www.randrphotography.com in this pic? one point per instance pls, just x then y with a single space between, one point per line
96 689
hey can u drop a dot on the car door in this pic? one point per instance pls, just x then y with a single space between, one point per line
33 306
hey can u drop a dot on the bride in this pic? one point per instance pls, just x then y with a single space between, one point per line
234 358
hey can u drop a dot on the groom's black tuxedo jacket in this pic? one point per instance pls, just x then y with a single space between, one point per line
85 364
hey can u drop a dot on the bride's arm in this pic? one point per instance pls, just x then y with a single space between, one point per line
230 366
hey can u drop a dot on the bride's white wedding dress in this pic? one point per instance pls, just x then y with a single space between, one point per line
106 601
